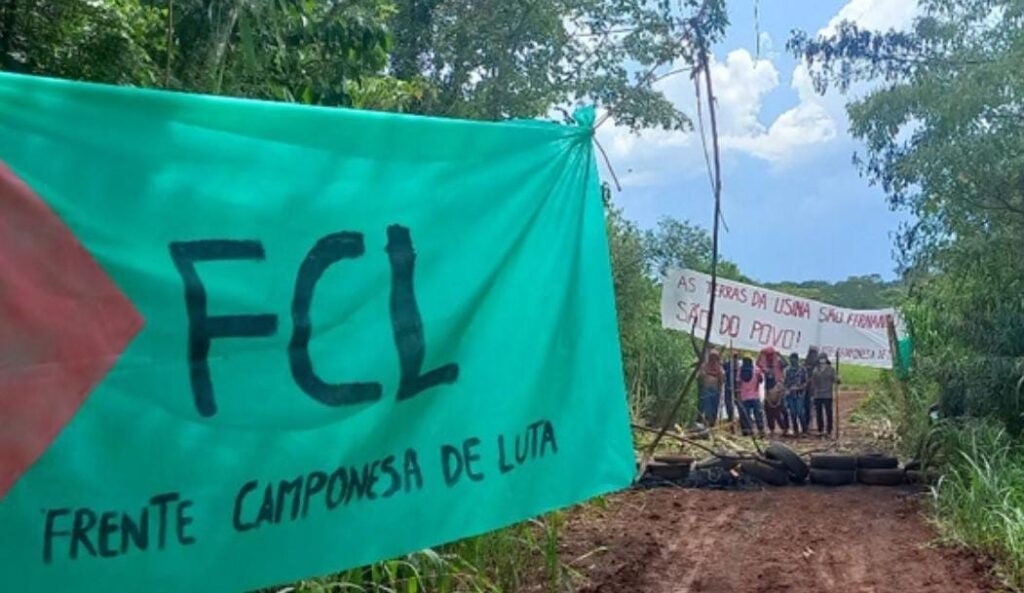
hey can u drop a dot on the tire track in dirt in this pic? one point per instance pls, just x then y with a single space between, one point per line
858 539
795 539
699 550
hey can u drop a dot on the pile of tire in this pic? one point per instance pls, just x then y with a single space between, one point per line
665 470
779 465
841 470
720 472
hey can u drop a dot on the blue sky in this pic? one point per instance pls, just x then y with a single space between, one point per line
796 207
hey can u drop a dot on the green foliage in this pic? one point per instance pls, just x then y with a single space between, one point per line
856 292
681 244
77 39
477 59
656 360
980 499
852 376
326 53
494 59
944 138
288 50
901 413
505 560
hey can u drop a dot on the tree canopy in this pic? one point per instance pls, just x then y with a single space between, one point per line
944 137
478 59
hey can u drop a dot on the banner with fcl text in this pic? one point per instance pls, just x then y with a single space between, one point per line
243 343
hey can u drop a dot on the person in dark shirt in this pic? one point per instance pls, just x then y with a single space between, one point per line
810 363
712 380
796 388
823 381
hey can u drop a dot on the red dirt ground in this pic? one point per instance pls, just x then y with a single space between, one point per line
859 539
797 539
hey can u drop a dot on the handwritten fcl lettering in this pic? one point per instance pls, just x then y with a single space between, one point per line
406 323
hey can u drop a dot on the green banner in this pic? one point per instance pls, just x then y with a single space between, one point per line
244 343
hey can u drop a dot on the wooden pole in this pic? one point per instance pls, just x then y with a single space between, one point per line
836 395
894 347
734 403
705 66
894 353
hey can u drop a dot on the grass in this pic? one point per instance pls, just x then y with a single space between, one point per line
979 502
501 561
858 377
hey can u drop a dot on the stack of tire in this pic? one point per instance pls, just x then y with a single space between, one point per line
840 470
670 468
779 466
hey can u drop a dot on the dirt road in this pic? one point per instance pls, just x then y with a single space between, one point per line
802 539
798 539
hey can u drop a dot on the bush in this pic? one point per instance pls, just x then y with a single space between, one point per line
508 559
979 502
656 361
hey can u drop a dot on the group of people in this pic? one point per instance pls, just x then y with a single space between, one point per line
791 389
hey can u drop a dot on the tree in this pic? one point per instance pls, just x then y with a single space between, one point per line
479 59
944 137
80 40
856 292
294 50
681 244
494 59
331 52
655 360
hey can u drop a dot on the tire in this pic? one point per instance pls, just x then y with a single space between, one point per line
711 478
882 477
668 471
794 464
877 462
834 462
674 459
725 462
764 472
774 463
833 477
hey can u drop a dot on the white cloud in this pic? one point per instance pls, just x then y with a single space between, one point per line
741 83
740 86
875 15
806 125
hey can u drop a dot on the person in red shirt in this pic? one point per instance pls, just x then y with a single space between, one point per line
748 383
772 365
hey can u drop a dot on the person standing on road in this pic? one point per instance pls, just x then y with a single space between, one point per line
810 363
748 381
712 381
796 388
824 381
729 395
771 365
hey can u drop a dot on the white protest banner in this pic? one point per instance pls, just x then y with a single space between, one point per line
751 318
